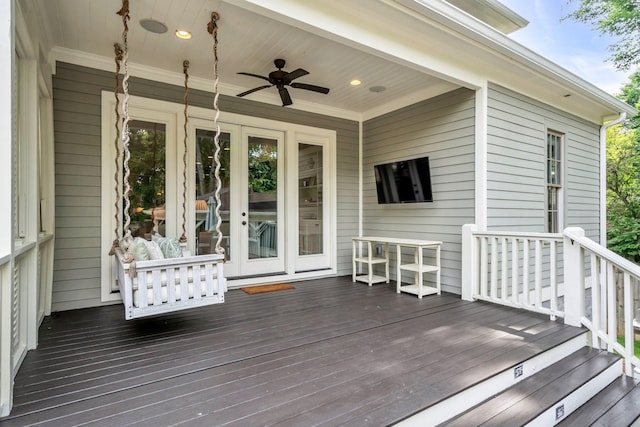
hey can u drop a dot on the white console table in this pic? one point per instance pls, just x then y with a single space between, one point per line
370 259
418 267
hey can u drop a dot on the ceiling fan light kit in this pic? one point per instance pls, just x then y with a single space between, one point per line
280 79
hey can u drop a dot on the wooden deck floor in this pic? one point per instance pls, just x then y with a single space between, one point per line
329 352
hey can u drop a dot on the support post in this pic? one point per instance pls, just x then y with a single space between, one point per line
469 262
574 301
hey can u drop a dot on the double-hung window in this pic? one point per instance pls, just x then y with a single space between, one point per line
554 182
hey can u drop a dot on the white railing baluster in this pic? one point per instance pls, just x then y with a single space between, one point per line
538 274
611 306
505 268
595 300
483 267
494 268
553 287
525 272
515 270
628 323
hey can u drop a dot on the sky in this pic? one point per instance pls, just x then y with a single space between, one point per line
575 46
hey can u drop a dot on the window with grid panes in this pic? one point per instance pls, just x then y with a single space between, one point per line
554 181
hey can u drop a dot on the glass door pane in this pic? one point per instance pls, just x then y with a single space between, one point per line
310 199
206 234
262 209
147 178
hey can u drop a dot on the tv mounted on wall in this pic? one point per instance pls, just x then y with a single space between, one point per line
405 181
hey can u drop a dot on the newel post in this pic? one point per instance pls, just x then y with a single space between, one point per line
574 302
469 262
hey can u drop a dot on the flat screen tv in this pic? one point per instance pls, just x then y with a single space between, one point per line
405 181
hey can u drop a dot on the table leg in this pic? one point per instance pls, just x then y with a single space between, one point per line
398 271
419 273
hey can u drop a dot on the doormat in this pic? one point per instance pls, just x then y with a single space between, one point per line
267 288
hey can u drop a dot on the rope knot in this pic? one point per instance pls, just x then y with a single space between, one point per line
124 11
212 26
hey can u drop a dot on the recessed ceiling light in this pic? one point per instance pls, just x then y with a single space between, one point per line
183 34
153 26
377 89
355 82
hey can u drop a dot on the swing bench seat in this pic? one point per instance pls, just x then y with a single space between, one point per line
171 284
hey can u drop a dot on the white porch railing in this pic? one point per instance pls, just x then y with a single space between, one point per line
614 292
25 298
561 275
514 269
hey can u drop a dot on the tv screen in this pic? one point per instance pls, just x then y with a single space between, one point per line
405 181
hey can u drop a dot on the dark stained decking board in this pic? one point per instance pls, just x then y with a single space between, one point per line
329 352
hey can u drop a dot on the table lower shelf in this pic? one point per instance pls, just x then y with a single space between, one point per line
418 268
374 279
415 290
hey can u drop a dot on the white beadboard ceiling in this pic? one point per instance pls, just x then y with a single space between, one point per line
248 42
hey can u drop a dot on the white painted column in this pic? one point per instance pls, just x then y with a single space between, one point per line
6 230
481 143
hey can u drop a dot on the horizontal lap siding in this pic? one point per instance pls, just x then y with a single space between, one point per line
443 129
516 155
77 121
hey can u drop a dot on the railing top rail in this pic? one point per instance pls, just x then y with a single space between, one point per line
524 235
604 253
5 259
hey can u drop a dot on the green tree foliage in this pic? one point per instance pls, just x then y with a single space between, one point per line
619 18
147 167
263 167
630 93
623 179
623 192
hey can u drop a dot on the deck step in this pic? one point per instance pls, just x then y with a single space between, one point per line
616 405
491 385
549 395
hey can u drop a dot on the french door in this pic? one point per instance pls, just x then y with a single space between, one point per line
277 213
252 197
261 205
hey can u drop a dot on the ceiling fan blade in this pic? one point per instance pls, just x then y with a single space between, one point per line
314 88
295 74
284 95
255 75
255 89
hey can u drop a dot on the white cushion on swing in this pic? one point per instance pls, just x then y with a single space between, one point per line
170 247
154 249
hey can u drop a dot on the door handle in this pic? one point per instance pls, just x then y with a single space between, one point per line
244 222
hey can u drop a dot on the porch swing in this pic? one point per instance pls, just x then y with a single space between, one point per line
151 286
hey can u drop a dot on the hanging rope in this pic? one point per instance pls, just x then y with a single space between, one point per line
118 58
212 28
124 13
185 70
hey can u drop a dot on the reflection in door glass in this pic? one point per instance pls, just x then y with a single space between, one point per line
310 199
206 234
263 197
147 176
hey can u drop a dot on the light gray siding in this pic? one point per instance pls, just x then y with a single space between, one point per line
517 128
443 129
77 109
